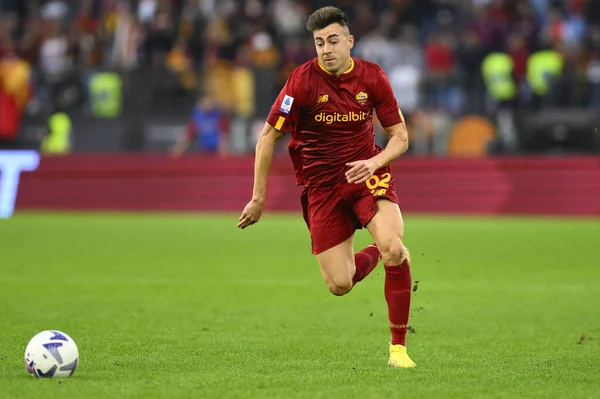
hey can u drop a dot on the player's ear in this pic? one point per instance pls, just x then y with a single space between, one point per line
351 41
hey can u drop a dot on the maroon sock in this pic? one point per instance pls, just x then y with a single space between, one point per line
397 294
365 262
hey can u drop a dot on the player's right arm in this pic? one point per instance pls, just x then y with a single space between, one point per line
282 118
265 147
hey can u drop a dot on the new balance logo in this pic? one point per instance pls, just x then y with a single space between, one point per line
323 98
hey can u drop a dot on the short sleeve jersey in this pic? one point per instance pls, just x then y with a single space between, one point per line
331 118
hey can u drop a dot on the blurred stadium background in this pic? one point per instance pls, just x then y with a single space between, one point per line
502 98
128 73
131 79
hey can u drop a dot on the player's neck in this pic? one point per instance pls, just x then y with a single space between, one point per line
345 68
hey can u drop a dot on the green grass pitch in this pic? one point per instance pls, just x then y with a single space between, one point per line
188 306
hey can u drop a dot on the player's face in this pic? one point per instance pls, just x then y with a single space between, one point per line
333 44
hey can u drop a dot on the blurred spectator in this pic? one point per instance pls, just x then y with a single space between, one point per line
519 52
57 140
289 18
378 48
544 67
498 69
265 58
127 41
15 92
524 24
242 79
406 73
490 23
105 94
592 12
440 67
241 52
55 10
146 11
470 55
54 51
593 76
428 131
87 36
564 85
562 27
574 26
159 39
294 54
207 130
180 63
243 84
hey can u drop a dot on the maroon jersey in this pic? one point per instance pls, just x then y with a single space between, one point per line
330 118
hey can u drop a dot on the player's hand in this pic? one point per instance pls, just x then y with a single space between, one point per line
361 171
251 214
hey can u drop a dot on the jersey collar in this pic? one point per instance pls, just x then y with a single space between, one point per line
344 73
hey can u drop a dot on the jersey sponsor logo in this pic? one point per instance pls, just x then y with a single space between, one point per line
362 97
286 104
323 98
329 118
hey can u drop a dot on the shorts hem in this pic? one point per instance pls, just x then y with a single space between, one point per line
330 245
374 212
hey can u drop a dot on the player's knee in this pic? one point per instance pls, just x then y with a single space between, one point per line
393 252
339 290
339 286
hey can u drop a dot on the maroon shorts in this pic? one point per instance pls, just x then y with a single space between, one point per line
334 213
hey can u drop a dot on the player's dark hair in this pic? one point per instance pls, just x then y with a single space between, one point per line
326 16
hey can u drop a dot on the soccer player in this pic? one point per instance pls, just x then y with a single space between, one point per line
327 105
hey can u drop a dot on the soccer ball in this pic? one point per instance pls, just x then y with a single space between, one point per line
50 354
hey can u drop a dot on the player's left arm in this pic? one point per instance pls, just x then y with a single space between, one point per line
396 146
392 121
